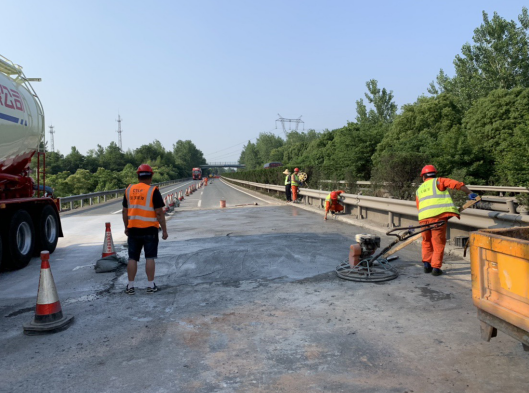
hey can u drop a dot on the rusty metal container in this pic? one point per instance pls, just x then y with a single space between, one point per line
499 260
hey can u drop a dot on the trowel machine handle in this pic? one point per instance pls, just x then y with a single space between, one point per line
404 234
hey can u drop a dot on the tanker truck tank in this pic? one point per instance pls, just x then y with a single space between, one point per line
28 223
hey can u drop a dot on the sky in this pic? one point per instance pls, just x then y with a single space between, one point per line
219 72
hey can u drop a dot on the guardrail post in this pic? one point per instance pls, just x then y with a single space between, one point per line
71 205
82 202
390 219
105 197
511 207
99 199
91 201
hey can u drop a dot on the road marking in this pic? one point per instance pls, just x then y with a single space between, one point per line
163 193
199 202
202 193
247 193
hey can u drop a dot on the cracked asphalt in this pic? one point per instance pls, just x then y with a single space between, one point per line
249 302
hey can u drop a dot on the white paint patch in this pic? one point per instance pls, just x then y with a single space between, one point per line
85 298
119 211
146 319
199 202
80 267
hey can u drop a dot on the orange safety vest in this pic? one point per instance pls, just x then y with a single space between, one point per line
140 207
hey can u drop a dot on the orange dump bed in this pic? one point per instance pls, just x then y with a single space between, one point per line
499 261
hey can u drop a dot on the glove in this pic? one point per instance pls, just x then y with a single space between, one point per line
472 196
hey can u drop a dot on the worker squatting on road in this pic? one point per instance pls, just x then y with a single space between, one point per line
143 215
288 190
294 185
435 204
332 203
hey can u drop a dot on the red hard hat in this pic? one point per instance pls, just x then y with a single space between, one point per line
144 170
296 170
428 169
334 195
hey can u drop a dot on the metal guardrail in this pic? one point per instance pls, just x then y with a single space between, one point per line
498 189
69 200
495 203
398 213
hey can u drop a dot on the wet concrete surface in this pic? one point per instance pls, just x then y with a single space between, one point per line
249 302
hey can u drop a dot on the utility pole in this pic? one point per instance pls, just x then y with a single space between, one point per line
119 132
52 133
290 121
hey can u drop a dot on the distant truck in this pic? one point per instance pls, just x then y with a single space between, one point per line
272 165
197 174
29 220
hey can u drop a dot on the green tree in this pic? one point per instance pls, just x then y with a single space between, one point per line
498 59
187 156
384 108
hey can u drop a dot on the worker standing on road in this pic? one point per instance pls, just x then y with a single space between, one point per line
288 190
143 215
294 185
332 203
435 204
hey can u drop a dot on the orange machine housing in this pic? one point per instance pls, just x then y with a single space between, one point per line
499 260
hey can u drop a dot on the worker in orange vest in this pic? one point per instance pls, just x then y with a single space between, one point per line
435 204
206 181
332 203
143 215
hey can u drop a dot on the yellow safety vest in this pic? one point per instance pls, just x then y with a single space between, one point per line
433 202
140 208
295 180
287 180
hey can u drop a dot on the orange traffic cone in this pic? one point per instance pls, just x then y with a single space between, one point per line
48 313
108 243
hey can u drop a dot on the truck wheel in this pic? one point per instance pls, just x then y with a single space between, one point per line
20 240
48 234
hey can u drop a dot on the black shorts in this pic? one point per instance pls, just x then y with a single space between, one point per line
148 242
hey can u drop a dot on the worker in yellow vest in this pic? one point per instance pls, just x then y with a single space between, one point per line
435 204
332 203
143 215
288 190
294 185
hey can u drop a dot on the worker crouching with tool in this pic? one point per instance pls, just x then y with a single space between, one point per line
333 203
435 204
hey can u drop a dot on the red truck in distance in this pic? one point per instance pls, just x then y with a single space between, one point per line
197 174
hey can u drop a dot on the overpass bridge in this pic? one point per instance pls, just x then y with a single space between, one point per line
222 165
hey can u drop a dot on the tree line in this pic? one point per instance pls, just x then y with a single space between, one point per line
473 126
110 168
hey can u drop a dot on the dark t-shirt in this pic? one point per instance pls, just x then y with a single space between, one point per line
157 202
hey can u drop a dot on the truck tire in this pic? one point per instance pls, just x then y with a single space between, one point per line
20 241
48 231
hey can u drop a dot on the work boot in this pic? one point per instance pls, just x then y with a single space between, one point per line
427 267
436 272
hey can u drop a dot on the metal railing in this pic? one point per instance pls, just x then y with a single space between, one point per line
398 213
92 197
499 203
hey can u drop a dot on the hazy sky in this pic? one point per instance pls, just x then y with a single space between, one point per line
219 72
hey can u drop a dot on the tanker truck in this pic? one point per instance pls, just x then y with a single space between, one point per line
29 220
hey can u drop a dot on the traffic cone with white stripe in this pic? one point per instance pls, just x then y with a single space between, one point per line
48 312
108 243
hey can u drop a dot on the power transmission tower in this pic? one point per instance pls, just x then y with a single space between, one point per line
119 131
52 140
290 121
